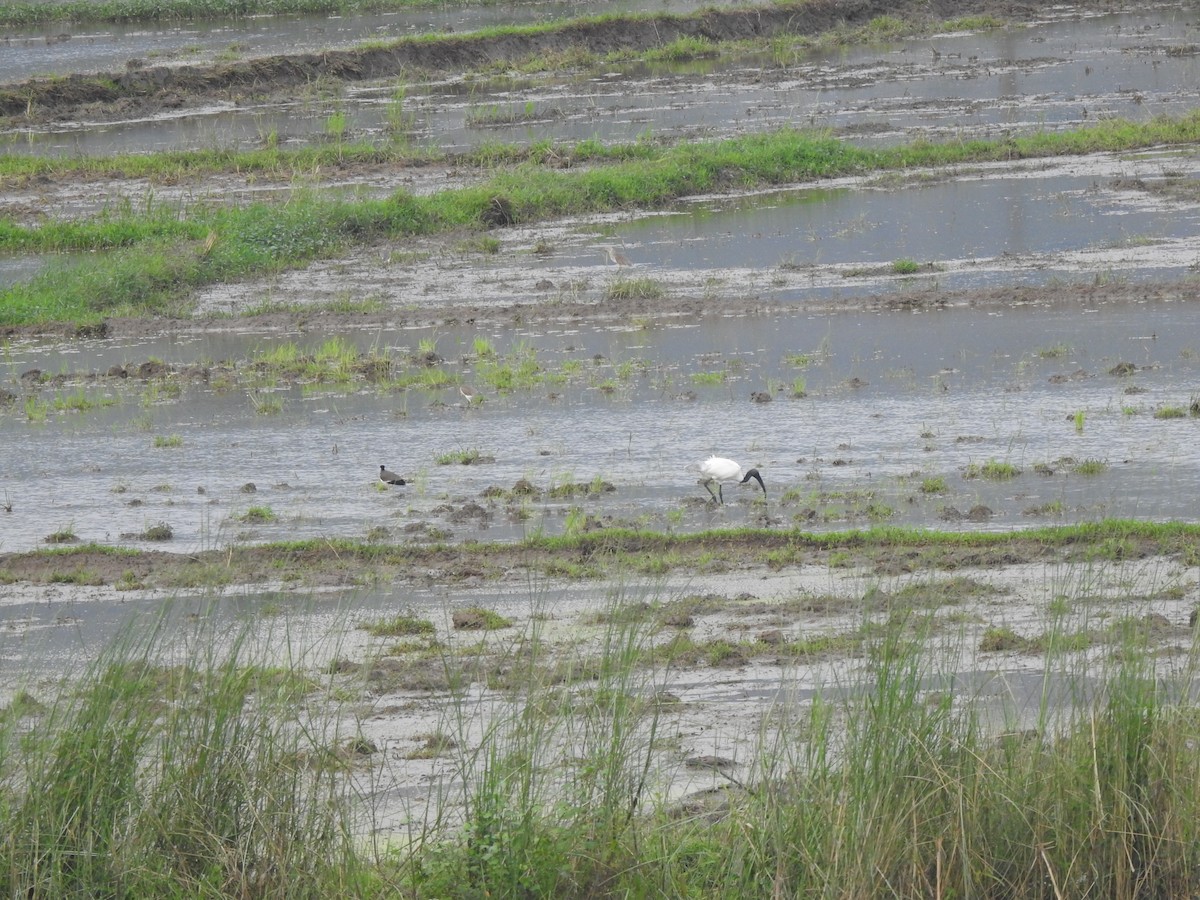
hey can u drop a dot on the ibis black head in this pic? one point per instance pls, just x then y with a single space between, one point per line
753 473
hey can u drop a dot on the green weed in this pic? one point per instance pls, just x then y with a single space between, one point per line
993 470
1090 467
465 457
933 485
258 515
151 264
398 626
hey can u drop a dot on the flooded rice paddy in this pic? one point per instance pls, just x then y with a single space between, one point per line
1072 397
64 48
1063 71
986 348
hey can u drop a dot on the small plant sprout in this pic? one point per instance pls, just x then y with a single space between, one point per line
575 522
1170 412
160 531
934 484
993 470
258 515
1090 467
1054 351
402 625
398 120
635 289
335 125
36 410
266 405
905 267
1079 417
466 457
64 535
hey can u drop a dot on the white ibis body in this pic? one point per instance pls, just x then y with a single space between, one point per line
389 477
721 470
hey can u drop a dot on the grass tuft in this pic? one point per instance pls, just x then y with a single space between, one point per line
151 778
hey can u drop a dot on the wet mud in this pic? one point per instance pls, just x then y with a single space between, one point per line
138 90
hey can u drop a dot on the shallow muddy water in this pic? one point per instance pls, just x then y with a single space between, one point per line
64 48
1059 73
891 399
1101 216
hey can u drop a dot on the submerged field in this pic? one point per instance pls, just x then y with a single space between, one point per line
931 271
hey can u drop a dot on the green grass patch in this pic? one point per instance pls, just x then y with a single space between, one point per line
146 265
78 401
258 515
935 484
160 531
1054 351
1170 412
76 576
64 535
462 457
399 626
151 777
634 289
993 470
684 49
478 618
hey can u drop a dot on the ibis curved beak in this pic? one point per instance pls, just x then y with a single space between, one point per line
753 473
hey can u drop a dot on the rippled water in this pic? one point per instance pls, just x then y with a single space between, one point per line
58 48
980 226
892 399
1055 74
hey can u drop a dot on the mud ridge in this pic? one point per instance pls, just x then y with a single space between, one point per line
1088 294
144 89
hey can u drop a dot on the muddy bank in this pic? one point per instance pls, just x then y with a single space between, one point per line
141 90
605 554
615 309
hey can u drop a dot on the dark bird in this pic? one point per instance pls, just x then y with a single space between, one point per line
721 470
388 477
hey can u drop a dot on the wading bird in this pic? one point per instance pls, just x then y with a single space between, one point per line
469 394
617 258
389 477
720 470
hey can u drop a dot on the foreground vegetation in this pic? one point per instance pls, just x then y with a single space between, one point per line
879 789
154 777
189 764
154 260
